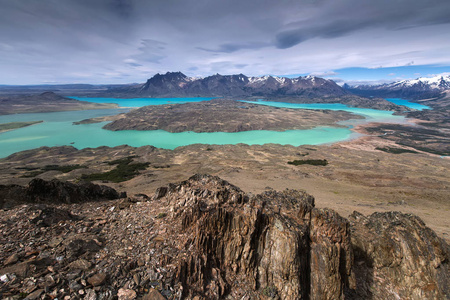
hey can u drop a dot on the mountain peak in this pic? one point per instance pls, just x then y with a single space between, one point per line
176 84
422 87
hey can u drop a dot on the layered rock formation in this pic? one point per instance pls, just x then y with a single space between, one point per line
399 256
206 239
275 243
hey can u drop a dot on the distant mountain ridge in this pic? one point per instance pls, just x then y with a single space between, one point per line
177 84
424 87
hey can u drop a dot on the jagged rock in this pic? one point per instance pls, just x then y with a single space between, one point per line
206 239
90 295
398 257
23 269
47 216
331 255
264 242
34 295
126 294
153 295
81 264
97 279
12 259
55 191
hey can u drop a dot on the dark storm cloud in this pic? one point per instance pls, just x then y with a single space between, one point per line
133 64
93 40
334 19
240 66
230 48
123 8
150 51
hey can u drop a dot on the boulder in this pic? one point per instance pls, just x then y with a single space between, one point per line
398 257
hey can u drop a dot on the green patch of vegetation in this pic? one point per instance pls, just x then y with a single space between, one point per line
27 168
121 161
161 215
394 150
17 125
65 169
430 150
161 166
314 162
32 174
302 154
124 171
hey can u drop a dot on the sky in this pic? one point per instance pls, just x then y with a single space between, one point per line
127 41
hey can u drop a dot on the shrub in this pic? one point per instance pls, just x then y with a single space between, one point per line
395 150
314 162
124 171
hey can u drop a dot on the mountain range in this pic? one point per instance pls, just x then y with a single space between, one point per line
420 88
176 84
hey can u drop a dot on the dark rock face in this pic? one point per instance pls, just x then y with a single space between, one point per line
277 243
399 256
55 191
268 243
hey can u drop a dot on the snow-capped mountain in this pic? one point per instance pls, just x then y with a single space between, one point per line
176 84
415 88
438 82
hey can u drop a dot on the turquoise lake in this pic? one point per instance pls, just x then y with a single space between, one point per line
57 129
407 103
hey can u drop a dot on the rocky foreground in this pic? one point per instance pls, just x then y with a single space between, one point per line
206 239
224 116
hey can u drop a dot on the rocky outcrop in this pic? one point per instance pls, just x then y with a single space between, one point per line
206 239
55 191
277 244
274 244
398 257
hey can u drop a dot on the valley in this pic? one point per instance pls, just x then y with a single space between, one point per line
227 149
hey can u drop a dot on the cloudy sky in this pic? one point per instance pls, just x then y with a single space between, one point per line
124 41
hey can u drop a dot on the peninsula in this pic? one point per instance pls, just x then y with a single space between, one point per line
45 102
224 116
